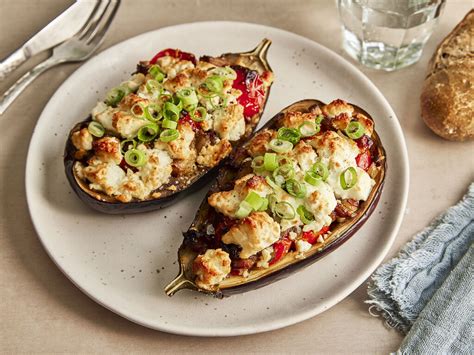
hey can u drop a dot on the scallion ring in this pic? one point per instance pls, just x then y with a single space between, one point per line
254 200
355 130
177 102
126 145
319 119
96 129
153 87
284 210
305 216
135 157
321 170
286 171
289 134
264 205
346 185
169 135
156 72
244 210
169 124
272 183
199 114
188 97
138 110
295 188
257 164
114 96
270 161
171 111
280 146
153 112
214 83
312 178
308 128
148 132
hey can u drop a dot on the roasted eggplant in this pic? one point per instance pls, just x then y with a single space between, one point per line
155 137
298 189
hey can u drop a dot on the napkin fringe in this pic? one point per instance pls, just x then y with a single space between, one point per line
437 244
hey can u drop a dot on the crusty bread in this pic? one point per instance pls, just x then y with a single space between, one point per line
447 99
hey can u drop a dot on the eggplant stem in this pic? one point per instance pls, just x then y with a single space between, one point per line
179 283
261 52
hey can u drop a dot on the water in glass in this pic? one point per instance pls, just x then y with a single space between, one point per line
388 34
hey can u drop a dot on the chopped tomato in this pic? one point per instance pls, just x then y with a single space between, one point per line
175 53
253 92
311 237
194 125
364 160
281 248
364 142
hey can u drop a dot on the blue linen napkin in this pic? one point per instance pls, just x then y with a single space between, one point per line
427 290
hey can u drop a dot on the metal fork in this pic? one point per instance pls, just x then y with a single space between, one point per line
77 48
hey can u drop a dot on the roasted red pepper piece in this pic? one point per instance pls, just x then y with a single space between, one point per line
364 160
175 53
194 125
253 91
281 248
311 237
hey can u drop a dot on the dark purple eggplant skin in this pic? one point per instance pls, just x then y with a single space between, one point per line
229 169
116 207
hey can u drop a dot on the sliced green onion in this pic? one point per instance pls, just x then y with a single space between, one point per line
295 188
114 96
254 200
135 157
226 72
177 102
308 128
321 170
96 129
284 210
153 86
171 111
199 114
258 164
156 72
289 134
353 178
312 178
319 119
244 210
169 135
305 216
148 132
355 130
286 171
188 97
127 145
270 161
138 110
272 183
169 124
280 146
264 205
214 84
153 112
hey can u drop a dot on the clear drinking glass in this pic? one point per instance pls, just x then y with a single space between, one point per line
387 34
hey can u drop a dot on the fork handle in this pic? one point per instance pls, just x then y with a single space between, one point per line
16 89
12 62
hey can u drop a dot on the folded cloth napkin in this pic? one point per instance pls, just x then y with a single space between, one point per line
427 290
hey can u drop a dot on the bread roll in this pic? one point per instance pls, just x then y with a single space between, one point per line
447 99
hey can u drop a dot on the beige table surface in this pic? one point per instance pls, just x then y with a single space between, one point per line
41 311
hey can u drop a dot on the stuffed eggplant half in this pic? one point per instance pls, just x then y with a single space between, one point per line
156 136
299 188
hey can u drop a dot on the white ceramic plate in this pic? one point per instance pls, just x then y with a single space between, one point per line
124 262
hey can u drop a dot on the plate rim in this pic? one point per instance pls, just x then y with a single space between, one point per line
248 329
